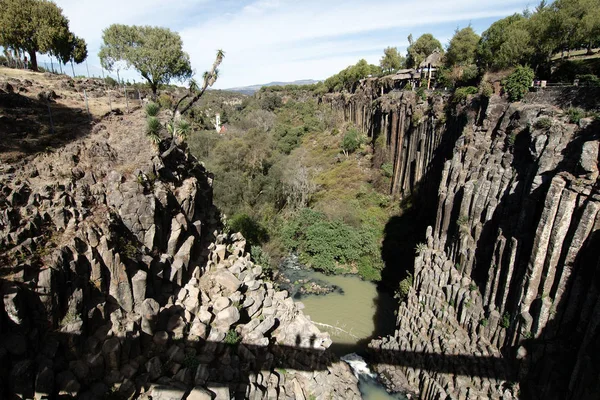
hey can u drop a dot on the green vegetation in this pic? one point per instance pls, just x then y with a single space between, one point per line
505 321
328 245
484 322
352 141
543 123
280 163
404 287
153 126
232 338
156 53
349 77
391 60
575 114
460 95
517 84
37 26
152 109
462 50
421 48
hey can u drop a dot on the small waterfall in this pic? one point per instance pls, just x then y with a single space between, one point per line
369 387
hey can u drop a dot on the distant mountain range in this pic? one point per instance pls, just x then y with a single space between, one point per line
254 88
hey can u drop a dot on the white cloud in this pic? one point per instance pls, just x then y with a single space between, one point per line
268 40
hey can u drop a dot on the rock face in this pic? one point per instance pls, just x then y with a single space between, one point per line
412 135
115 280
505 293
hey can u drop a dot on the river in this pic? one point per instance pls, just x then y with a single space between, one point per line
352 316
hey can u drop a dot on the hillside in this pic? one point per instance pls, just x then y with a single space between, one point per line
251 89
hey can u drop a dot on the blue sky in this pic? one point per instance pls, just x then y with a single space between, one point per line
283 40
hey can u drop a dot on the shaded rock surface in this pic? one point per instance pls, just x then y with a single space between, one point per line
504 299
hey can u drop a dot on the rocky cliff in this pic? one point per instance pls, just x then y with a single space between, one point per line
117 282
505 299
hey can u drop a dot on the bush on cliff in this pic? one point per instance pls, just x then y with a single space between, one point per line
517 84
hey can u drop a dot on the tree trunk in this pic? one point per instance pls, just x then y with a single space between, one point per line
33 60
589 48
154 87
73 68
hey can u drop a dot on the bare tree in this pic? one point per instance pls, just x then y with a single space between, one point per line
177 127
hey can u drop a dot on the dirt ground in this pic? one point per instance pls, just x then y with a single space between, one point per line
42 111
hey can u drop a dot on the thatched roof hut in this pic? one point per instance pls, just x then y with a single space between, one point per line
434 60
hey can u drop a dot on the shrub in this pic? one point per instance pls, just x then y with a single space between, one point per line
421 247
152 126
110 82
352 140
486 89
408 86
484 322
472 287
505 321
252 230
461 94
232 338
543 123
387 170
165 101
575 114
262 258
517 84
421 93
404 287
324 244
588 80
152 109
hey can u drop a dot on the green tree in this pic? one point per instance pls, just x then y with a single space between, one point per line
590 24
505 43
349 77
462 50
33 26
421 48
155 52
391 60
517 84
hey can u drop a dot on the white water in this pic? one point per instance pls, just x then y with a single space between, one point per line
369 388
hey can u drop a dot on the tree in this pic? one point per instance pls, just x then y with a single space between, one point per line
391 60
156 53
517 84
421 48
176 128
506 43
349 77
462 50
33 26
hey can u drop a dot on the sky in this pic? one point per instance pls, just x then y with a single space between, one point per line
281 40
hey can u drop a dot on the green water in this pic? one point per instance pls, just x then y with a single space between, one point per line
352 319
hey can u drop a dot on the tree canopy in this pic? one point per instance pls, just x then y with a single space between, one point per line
505 43
38 26
155 52
421 48
391 60
462 50
349 77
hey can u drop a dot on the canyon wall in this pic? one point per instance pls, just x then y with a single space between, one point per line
116 282
506 297
412 134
